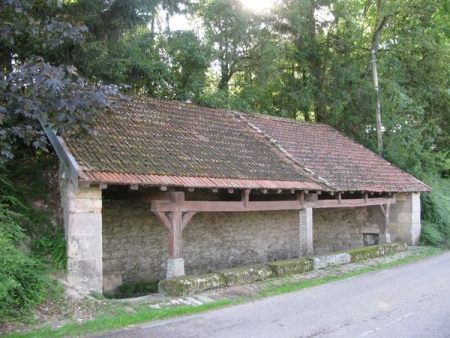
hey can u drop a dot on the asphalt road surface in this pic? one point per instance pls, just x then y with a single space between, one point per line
411 300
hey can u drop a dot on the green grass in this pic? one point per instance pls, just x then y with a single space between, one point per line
118 315
120 318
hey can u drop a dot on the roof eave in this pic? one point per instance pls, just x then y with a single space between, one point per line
71 166
195 182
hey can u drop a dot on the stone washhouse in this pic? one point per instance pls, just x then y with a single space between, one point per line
169 188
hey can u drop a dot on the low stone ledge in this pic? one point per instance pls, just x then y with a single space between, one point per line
246 274
291 266
376 251
188 285
321 262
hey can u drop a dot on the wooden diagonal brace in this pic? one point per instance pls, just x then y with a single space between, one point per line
164 219
186 218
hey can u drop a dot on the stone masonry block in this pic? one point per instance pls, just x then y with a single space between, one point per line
404 217
77 205
188 285
291 267
306 231
405 223
376 251
84 224
246 274
401 197
83 193
85 275
84 247
416 229
175 267
321 262
415 202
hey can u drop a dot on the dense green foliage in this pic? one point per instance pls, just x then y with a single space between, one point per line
23 282
36 187
436 214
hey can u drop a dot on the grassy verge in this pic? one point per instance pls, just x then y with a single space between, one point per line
118 315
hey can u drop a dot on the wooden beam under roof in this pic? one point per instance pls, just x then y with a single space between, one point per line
245 205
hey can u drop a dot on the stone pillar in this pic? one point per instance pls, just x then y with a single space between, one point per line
306 232
175 267
405 219
83 231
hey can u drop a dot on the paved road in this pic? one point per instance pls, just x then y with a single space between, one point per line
412 300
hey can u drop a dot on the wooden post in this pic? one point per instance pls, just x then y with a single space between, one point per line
176 224
175 235
386 211
387 215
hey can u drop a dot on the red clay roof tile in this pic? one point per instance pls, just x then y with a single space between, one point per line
340 161
157 142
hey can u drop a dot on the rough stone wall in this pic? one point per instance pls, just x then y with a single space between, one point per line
339 229
214 241
134 244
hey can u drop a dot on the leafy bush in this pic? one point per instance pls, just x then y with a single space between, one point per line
23 282
34 177
52 246
436 213
431 234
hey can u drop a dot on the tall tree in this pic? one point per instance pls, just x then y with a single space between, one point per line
30 87
229 29
416 67
189 59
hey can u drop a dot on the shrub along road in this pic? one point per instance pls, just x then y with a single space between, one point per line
411 300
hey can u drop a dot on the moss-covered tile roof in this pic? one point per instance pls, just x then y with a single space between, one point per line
157 142
154 142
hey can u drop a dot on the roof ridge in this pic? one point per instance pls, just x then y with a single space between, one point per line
286 154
